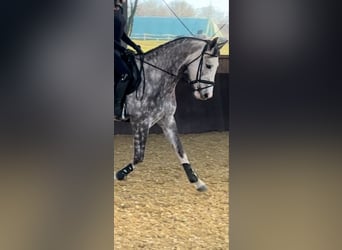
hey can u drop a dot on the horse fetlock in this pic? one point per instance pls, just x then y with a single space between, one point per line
192 176
138 160
122 174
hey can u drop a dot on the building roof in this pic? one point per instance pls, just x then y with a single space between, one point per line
165 28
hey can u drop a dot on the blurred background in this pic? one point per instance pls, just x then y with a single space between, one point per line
154 22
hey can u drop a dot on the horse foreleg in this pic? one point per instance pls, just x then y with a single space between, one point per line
140 138
170 130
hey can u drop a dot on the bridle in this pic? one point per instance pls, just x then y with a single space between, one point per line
199 70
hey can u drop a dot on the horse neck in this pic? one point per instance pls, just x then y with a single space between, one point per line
174 55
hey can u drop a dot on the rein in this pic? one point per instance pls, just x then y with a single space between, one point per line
142 70
199 70
163 70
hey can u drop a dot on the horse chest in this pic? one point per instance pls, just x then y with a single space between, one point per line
151 106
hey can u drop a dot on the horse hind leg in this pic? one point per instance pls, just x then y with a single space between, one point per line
171 133
140 138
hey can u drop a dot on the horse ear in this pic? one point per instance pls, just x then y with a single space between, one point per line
220 44
213 43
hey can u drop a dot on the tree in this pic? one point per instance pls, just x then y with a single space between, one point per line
152 8
132 10
159 8
216 15
182 8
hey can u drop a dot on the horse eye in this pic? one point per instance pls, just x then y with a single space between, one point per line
208 66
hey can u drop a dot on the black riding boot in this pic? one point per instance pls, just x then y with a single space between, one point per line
119 95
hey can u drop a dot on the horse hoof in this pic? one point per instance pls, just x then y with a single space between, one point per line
202 188
120 176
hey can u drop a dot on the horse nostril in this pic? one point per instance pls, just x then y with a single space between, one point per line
206 95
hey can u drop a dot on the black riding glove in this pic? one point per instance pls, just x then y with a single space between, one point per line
128 53
138 49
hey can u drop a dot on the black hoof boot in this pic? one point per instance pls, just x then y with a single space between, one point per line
122 174
192 176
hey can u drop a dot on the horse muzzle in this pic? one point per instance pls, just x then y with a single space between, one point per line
203 90
203 94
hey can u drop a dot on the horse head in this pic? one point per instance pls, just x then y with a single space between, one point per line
201 71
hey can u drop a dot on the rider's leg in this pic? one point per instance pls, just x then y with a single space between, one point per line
120 86
119 95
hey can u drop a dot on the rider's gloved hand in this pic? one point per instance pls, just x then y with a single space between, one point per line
128 52
138 49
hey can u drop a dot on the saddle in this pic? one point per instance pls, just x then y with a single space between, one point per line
135 73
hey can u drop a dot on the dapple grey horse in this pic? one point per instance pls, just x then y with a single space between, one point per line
154 102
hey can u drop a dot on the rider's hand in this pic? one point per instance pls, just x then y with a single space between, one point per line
138 50
128 52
